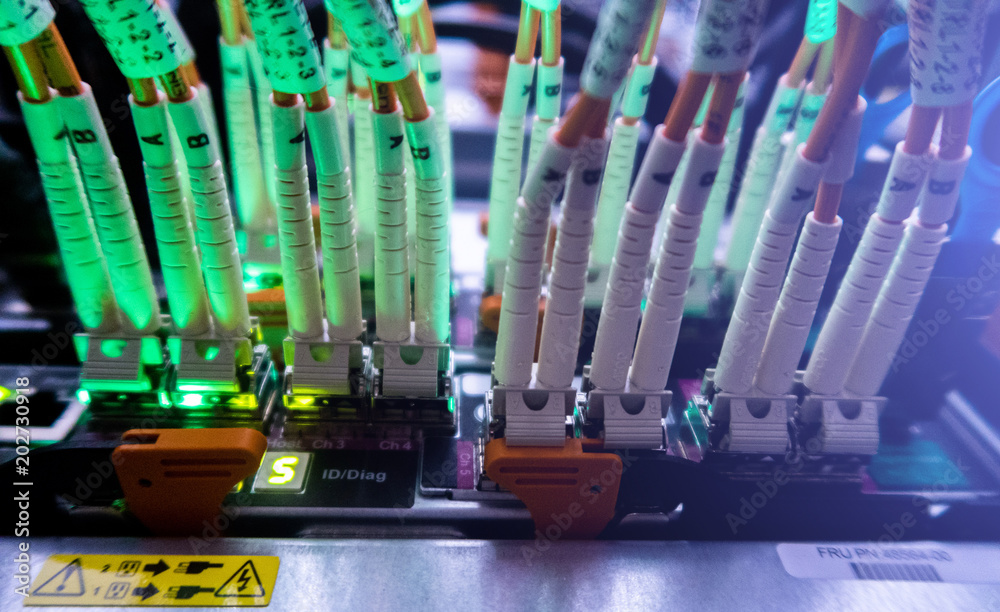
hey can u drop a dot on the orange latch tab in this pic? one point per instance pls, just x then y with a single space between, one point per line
175 479
570 494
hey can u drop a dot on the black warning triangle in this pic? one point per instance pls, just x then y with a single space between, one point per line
244 583
68 582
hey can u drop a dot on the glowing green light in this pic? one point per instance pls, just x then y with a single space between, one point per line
191 400
821 21
283 469
83 395
5 393
165 399
451 405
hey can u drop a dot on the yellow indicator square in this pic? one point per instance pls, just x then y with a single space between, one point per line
154 580
282 471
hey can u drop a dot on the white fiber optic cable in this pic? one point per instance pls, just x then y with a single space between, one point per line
507 155
253 203
364 179
898 299
759 292
560 339
213 219
793 316
619 28
522 281
114 218
621 161
299 270
657 339
761 172
620 310
86 269
341 278
838 340
432 297
392 270
179 262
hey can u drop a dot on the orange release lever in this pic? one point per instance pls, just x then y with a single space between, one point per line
569 493
176 479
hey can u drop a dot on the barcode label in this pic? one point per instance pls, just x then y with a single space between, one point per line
896 571
893 561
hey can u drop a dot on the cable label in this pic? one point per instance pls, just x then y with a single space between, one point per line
287 47
726 35
375 41
135 32
946 38
23 20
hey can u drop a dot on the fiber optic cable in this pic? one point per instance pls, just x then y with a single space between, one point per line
86 268
759 293
724 53
619 32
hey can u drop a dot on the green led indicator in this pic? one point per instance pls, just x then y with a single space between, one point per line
191 400
821 21
5 393
83 395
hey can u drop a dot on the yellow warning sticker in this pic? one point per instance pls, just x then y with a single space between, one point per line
154 580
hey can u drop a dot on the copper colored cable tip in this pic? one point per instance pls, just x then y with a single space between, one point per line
527 34
648 48
849 75
28 72
176 87
283 99
424 29
803 59
823 73
828 198
551 24
720 107
335 32
955 131
411 98
58 63
920 130
144 91
684 107
317 100
383 98
587 116
229 22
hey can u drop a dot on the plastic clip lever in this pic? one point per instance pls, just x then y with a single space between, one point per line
174 480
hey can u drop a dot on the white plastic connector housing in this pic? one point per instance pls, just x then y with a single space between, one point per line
410 368
317 368
533 416
845 425
631 418
793 316
753 424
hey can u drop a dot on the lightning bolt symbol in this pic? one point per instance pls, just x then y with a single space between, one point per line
243 580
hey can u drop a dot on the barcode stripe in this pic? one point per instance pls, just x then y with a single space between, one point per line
912 572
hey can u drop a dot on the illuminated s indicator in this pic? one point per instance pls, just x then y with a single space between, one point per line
282 471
